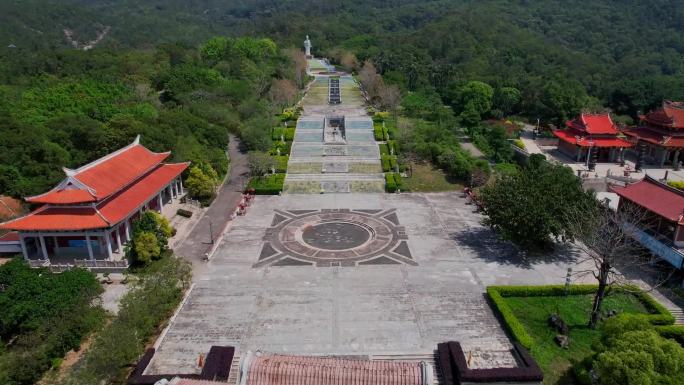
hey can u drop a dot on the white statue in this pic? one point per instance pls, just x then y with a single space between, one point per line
307 47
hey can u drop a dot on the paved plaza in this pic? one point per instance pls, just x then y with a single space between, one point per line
428 286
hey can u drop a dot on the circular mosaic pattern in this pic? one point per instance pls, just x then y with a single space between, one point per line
335 235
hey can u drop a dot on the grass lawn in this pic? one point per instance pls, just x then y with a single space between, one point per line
427 178
533 313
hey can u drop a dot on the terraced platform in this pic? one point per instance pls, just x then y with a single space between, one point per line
334 149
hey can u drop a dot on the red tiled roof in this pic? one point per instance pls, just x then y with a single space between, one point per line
292 370
103 177
671 114
58 218
119 206
571 136
10 207
108 213
596 124
12 236
643 133
654 196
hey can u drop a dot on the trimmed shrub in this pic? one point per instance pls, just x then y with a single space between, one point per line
675 332
678 184
397 180
385 160
281 163
267 185
659 315
184 213
289 133
378 132
384 149
276 133
519 143
513 325
390 184
393 162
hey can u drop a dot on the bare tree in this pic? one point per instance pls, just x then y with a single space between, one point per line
283 92
300 65
390 97
608 239
260 163
349 61
370 80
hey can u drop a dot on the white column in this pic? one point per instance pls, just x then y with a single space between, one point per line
108 242
90 247
43 248
171 191
54 239
22 240
180 183
127 227
177 186
118 239
159 199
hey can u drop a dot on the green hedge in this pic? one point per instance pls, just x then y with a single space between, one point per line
281 163
390 184
385 160
285 148
397 180
659 314
267 185
384 149
377 132
676 332
288 133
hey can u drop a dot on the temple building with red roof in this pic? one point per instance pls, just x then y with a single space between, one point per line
86 219
660 136
592 136
662 229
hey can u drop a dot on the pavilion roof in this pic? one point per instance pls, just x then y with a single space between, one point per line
580 138
102 178
101 215
654 196
670 115
647 135
596 124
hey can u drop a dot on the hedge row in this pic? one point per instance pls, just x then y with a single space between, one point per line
392 181
267 185
285 148
676 332
288 133
281 163
380 132
659 314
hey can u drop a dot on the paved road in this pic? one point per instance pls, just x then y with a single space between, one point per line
198 242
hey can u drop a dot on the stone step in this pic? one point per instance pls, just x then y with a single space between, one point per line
331 159
334 176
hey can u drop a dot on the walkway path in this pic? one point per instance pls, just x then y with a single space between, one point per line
334 149
198 242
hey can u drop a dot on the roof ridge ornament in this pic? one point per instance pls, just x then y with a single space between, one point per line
69 171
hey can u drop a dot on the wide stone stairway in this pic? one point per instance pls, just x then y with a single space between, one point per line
334 150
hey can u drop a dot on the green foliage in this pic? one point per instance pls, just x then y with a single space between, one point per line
267 185
44 315
151 232
514 326
506 169
202 182
533 206
390 182
142 310
634 353
676 184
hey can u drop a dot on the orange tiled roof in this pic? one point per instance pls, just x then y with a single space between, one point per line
597 124
671 114
292 370
576 137
103 177
105 214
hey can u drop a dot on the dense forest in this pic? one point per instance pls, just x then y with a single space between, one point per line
79 78
65 107
626 54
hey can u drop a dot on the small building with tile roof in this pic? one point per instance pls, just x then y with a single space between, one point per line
86 219
660 136
592 136
662 230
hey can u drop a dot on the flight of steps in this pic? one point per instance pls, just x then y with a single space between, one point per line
427 357
678 314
